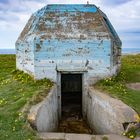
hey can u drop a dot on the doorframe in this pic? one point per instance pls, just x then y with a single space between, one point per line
59 73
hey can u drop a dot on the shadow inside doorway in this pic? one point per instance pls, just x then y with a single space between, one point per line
71 105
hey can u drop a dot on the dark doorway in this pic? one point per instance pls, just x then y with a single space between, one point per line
71 105
71 95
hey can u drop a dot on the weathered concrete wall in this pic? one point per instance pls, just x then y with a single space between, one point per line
44 116
25 57
67 38
105 114
70 55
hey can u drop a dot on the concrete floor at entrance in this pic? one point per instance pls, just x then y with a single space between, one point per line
74 126
72 121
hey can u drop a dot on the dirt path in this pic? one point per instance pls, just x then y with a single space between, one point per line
134 86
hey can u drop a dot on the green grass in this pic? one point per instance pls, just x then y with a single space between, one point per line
16 90
116 86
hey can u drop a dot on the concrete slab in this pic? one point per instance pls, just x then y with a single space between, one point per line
54 136
71 136
78 137
138 138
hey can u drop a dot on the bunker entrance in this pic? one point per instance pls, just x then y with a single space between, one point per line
71 105
71 95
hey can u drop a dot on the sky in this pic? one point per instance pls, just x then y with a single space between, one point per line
123 14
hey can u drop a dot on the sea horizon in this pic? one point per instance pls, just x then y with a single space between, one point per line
124 51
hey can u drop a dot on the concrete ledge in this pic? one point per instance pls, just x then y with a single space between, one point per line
106 114
44 115
70 136
78 137
57 136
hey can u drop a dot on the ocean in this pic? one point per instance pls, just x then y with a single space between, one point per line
124 51
130 50
7 51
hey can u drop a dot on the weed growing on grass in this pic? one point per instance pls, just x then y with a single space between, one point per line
26 78
115 83
135 130
21 76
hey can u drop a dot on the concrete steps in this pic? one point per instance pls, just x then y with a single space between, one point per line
71 136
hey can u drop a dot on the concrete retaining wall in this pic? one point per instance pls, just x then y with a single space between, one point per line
105 114
44 116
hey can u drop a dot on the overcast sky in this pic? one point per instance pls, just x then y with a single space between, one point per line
123 14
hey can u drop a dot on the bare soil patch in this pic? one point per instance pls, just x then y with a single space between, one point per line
134 86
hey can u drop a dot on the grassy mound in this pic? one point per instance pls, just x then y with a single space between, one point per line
16 90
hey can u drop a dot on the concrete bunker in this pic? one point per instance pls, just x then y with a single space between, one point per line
74 39
100 113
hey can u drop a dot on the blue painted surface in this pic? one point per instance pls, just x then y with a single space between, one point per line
69 8
72 55
73 49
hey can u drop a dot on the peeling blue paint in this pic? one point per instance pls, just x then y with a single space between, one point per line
68 38
71 8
